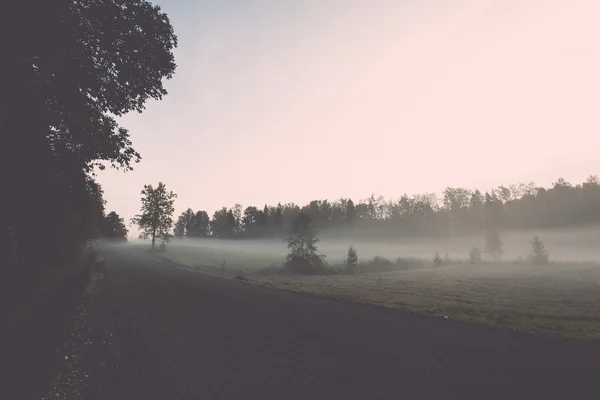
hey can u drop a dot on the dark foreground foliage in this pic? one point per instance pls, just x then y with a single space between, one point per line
67 68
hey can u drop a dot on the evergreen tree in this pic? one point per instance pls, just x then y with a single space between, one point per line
350 211
539 255
278 218
351 260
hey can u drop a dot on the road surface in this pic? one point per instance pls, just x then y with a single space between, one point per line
153 331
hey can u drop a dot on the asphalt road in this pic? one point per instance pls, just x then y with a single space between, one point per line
153 331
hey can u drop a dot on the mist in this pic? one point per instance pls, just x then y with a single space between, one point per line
564 245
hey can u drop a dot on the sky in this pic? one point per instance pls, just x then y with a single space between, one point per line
290 101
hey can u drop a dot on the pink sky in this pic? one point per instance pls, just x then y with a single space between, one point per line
278 102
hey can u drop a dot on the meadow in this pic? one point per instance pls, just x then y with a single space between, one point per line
562 298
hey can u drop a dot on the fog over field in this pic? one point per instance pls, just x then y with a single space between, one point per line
561 298
574 245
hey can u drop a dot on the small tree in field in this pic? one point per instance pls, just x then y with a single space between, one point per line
351 260
493 243
475 255
539 255
156 215
302 244
437 260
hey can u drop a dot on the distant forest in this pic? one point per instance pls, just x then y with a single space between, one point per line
457 212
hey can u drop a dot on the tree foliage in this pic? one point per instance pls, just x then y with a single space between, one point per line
156 214
68 68
302 245
113 227
192 224
539 255
351 260
456 212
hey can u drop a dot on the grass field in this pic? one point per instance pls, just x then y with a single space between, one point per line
562 298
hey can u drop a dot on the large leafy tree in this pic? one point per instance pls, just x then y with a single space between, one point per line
156 215
201 224
185 224
113 227
68 68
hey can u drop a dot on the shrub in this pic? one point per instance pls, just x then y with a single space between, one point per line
306 266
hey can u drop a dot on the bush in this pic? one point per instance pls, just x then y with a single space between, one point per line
305 266
162 247
381 264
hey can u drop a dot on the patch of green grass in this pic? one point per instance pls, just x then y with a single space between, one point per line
560 299
210 259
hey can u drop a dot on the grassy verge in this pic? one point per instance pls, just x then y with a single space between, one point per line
560 299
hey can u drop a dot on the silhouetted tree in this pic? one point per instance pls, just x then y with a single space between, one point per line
184 227
302 244
539 255
156 215
113 227
250 220
222 223
278 218
73 65
460 211
437 260
350 211
201 224
351 260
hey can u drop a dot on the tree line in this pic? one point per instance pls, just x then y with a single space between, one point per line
456 211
